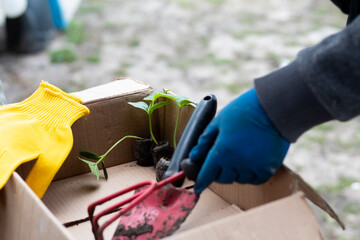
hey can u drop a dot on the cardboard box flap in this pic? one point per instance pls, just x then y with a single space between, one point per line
121 86
248 196
287 218
314 197
24 216
285 182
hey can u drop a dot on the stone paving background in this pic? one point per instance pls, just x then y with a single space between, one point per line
200 47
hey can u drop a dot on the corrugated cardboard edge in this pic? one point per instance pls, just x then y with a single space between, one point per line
248 196
287 218
33 221
285 182
100 98
314 197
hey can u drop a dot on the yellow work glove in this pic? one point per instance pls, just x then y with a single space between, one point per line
38 128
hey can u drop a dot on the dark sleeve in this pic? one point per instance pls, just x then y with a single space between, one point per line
321 84
350 7
343 5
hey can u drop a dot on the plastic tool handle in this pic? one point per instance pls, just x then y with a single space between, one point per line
201 117
190 168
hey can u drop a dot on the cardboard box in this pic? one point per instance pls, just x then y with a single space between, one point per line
278 209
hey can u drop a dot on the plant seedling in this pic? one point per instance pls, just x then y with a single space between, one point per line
180 101
149 109
100 159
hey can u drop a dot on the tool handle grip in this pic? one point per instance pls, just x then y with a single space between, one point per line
191 168
201 117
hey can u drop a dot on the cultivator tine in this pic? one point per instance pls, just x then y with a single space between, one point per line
133 200
144 189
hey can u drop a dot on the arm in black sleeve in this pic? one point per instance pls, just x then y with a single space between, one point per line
350 7
322 84
343 5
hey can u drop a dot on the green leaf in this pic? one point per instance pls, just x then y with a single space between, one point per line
151 96
155 95
179 100
95 170
89 155
166 95
93 167
141 105
184 102
104 170
157 105
86 161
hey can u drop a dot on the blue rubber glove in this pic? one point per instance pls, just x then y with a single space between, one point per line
240 144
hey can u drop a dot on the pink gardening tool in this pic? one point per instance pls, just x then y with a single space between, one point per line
157 209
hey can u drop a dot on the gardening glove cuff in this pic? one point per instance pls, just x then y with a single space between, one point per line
46 85
53 107
288 101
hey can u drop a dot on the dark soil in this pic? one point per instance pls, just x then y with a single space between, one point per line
133 232
164 149
143 152
161 168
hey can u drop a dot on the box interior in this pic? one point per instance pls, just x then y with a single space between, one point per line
68 199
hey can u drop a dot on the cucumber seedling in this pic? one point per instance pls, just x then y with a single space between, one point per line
180 101
93 165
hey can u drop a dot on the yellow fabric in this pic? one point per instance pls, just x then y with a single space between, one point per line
53 88
38 128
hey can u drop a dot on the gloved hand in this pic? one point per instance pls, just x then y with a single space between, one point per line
38 128
240 144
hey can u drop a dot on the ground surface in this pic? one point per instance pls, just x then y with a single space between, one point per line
200 47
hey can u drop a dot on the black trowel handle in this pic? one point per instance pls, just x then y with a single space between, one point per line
201 117
191 168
